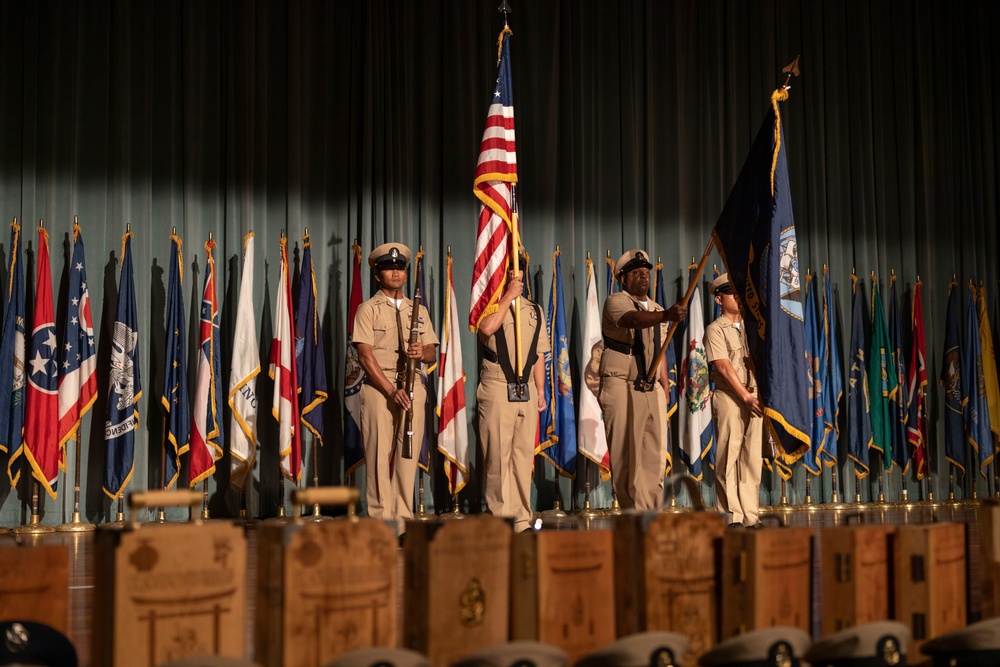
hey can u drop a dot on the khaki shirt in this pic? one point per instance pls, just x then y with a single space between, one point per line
530 321
615 363
725 340
377 323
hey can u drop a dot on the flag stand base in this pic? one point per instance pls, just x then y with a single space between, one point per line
589 512
556 511
76 525
616 509
119 521
316 516
455 513
33 527
422 514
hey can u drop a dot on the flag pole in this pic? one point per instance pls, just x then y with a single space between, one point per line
516 267
76 523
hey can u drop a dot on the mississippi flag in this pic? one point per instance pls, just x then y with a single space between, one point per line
593 440
41 427
125 388
354 375
243 377
206 420
496 172
284 404
78 371
453 436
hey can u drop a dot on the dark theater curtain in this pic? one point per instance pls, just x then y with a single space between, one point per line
362 119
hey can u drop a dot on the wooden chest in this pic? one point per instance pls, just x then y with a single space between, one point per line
989 556
766 577
666 576
168 591
324 589
35 583
457 595
929 581
855 566
563 588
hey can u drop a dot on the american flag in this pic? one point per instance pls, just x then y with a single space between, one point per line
78 371
496 172
284 405
41 444
206 419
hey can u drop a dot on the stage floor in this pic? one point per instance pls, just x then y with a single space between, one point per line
81 550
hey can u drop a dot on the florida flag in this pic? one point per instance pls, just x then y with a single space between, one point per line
78 370
41 427
453 434
206 419
284 403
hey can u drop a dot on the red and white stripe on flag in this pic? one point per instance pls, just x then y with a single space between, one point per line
285 404
496 172
205 446
453 433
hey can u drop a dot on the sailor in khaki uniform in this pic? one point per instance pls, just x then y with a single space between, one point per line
737 412
634 328
508 417
381 335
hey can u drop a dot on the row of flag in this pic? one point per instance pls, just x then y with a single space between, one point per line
54 380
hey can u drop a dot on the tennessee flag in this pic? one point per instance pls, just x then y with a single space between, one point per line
41 427
78 371
206 420
284 403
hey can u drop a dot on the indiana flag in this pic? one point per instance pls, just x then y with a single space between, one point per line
755 235
593 440
989 361
12 360
354 376
284 403
243 377
453 433
977 412
78 370
697 431
883 382
206 419
833 390
560 427
951 382
310 359
671 398
916 382
430 405
899 400
41 425
496 174
175 393
125 387
859 425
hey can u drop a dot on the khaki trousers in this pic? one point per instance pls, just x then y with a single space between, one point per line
737 459
507 431
390 495
633 423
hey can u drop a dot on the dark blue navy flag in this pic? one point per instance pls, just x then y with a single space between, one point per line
175 393
755 235
816 378
430 426
900 399
310 357
12 360
670 355
559 417
859 424
833 390
124 386
951 383
977 411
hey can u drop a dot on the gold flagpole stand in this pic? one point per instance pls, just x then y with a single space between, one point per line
421 514
76 524
456 510
34 525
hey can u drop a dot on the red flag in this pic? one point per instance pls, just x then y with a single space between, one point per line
206 424
41 428
496 173
916 418
285 404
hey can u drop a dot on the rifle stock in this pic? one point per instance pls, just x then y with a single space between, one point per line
411 367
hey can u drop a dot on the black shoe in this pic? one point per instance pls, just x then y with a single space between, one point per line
735 525
756 526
